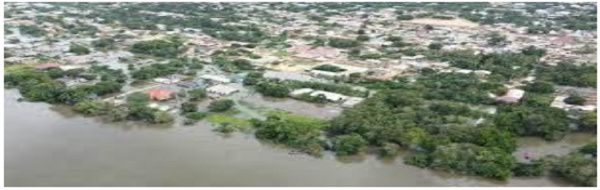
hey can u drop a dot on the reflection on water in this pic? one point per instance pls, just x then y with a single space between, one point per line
49 146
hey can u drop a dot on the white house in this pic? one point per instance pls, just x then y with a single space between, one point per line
222 90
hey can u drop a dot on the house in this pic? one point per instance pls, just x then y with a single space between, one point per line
512 96
187 84
160 94
221 90
301 91
318 53
160 107
171 79
219 79
48 65
288 76
352 101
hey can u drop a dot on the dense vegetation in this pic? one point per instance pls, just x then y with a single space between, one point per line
168 48
569 74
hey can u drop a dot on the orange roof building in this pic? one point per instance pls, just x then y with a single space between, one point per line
160 94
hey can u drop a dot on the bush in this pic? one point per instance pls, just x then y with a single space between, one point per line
220 105
225 128
348 144
528 170
389 150
420 160
195 115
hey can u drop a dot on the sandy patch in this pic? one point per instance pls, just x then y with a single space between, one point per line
440 22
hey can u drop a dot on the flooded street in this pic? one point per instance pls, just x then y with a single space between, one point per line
46 148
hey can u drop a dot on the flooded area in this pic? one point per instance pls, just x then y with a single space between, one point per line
294 106
47 146
536 147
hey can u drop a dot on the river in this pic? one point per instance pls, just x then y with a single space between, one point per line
45 146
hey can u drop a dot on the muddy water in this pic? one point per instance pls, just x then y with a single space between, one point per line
47 147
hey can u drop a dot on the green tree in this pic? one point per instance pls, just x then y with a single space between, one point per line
348 144
220 105
78 49
187 107
197 94
91 107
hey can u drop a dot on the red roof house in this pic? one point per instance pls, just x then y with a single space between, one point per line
160 94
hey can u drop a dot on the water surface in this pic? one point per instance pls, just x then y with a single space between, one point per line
47 146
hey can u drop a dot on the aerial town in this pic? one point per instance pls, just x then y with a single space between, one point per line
448 87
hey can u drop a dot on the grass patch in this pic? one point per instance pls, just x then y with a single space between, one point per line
227 118
295 118
12 68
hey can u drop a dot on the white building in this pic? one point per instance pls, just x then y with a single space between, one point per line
216 78
222 90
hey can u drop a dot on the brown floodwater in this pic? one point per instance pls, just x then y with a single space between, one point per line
47 146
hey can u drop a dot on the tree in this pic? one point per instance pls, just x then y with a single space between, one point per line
534 169
548 122
187 107
220 105
590 149
404 17
158 48
138 98
472 159
162 117
104 43
91 107
300 134
435 46
197 94
348 144
588 121
575 100
342 43
118 114
253 78
576 168
78 49
330 68
540 87
532 50
273 89
496 38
